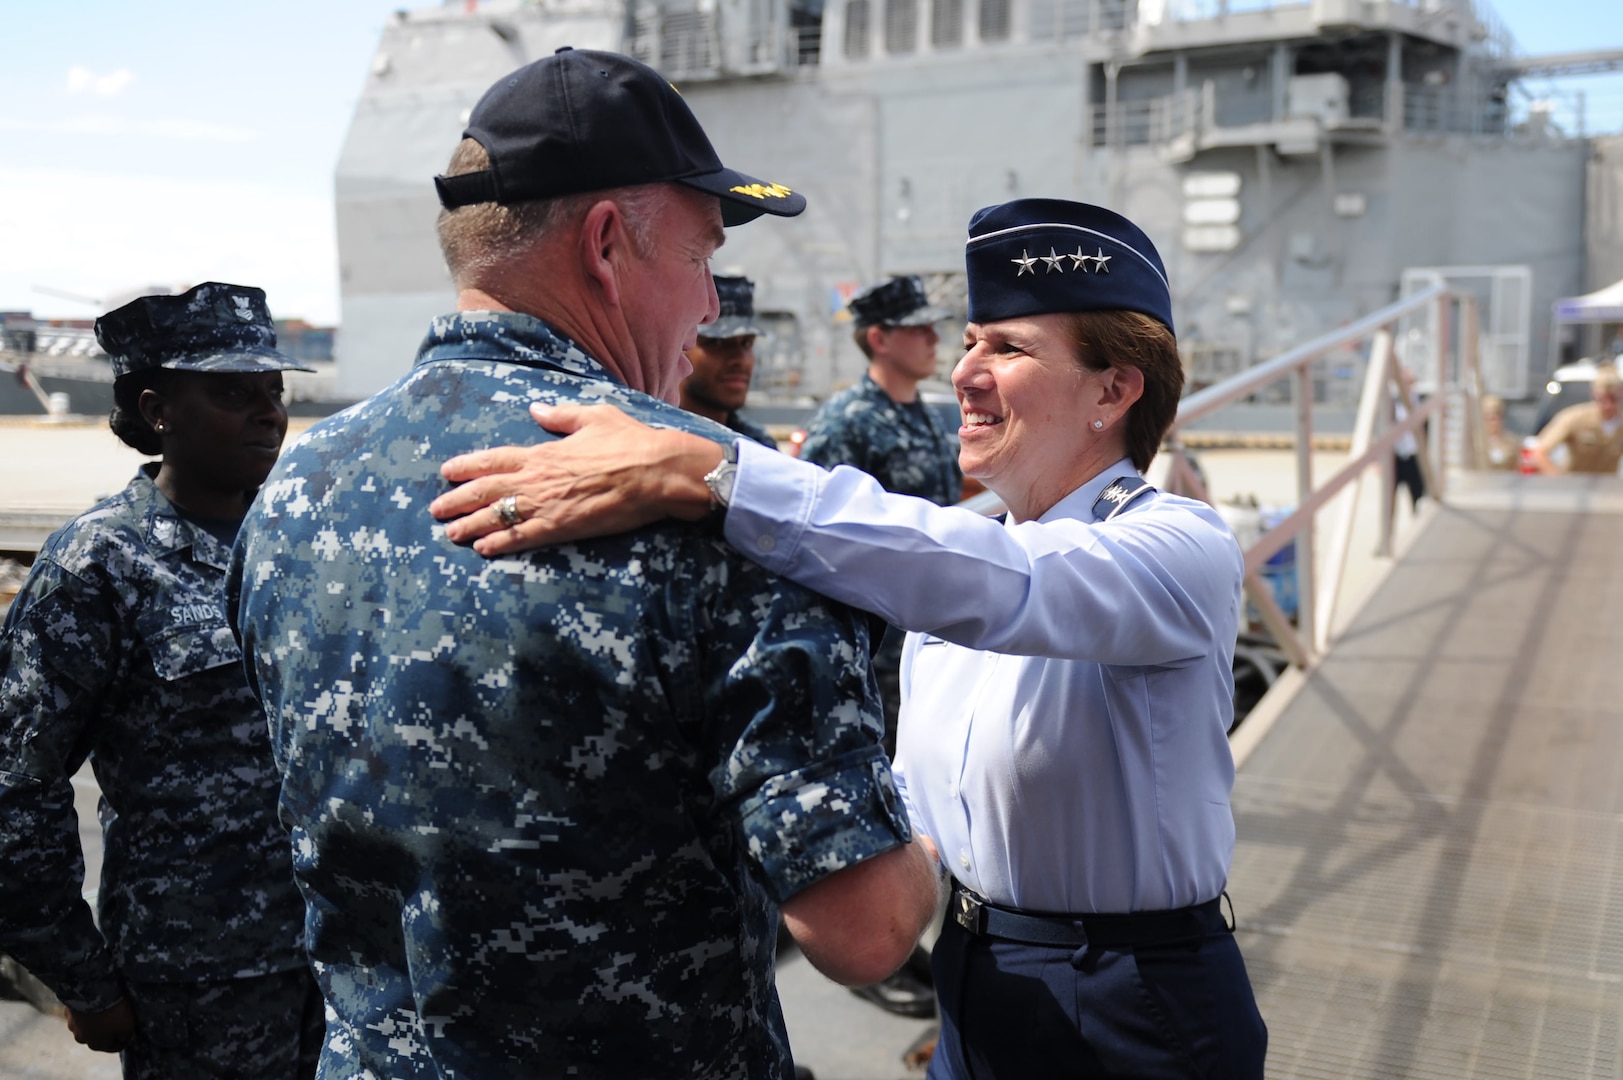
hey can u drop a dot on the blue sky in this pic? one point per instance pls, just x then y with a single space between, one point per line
176 141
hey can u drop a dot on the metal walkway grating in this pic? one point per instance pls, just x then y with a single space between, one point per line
1429 873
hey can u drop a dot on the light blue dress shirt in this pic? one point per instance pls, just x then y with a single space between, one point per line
1067 684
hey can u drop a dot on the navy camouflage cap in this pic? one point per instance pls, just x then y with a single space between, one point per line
213 327
901 301
1038 256
737 318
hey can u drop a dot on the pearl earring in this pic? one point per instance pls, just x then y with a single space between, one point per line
159 428
1098 425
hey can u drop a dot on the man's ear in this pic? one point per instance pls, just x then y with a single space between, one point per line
874 336
604 248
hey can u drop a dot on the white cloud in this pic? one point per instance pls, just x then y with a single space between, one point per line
96 234
81 80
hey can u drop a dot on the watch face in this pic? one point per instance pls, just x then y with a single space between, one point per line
720 480
728 477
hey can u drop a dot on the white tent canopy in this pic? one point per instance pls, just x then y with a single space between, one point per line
1600 306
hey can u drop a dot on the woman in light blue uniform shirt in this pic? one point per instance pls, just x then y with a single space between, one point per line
1067 687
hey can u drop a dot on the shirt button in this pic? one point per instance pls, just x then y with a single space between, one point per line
963 859
766 542
952 791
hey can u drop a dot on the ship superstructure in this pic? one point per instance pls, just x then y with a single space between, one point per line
1291 161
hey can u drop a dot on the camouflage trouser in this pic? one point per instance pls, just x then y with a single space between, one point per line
264 1028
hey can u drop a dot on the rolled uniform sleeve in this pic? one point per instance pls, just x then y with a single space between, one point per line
788 684
54 653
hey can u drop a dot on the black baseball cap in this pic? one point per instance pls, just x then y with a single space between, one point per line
583 120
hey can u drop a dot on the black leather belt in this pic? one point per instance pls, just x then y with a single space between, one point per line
1079 931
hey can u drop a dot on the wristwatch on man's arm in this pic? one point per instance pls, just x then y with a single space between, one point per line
721 479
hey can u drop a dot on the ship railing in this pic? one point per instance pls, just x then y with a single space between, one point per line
1440 109
1154 121
697 42
1494 38
1454 371
1197 112
43 342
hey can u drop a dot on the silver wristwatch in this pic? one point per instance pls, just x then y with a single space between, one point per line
721 479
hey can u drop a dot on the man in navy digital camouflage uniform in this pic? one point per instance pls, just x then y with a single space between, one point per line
118 648
546 808
723 361
881 426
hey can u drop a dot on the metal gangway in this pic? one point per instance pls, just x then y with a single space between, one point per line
1427 877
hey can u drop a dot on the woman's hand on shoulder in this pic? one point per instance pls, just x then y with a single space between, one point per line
611 474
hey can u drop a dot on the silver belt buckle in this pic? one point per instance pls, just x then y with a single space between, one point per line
966 910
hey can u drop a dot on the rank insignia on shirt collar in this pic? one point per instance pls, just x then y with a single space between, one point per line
1117 494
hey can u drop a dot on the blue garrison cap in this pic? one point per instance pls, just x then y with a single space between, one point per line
213 327
737 318
1036 256
901 301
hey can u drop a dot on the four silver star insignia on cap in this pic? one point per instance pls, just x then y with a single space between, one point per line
1056 262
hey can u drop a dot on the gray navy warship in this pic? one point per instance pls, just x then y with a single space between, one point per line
1297 164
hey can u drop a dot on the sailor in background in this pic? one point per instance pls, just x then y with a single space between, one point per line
118 648
1067 678
881 426
1592 432
1406 469
723 361
1503 449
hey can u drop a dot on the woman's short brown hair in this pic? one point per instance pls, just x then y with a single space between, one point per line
1129 339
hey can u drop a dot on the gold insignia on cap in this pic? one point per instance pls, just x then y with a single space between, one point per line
762 191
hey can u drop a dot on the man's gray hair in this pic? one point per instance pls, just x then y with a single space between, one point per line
479 239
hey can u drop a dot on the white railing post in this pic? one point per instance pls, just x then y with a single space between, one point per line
1306 570
1369 404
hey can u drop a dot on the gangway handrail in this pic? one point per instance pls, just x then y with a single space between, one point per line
1305 642
1205 402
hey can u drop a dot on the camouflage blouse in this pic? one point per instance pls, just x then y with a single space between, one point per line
901 446
544 806
118 648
